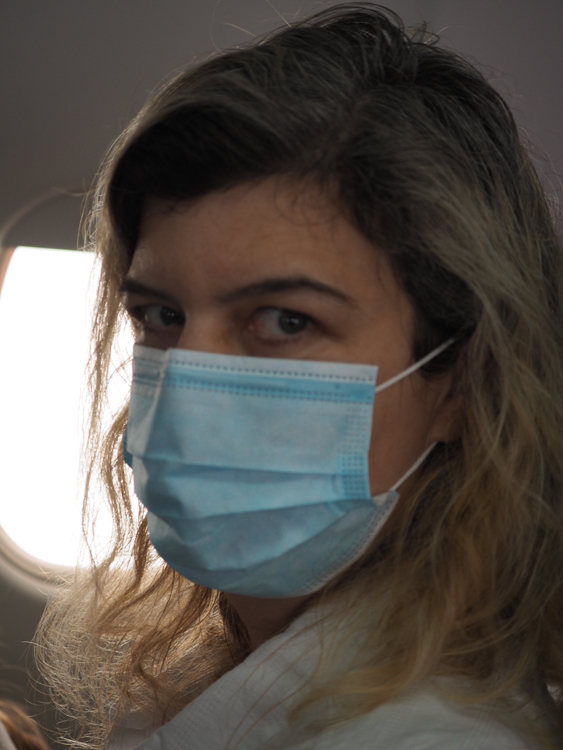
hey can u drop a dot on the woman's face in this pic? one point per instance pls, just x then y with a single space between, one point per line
266 270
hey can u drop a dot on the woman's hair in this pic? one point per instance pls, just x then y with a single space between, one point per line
21 728
423 157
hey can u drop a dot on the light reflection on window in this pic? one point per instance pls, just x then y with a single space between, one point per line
45 313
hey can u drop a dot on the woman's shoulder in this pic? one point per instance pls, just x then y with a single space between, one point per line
422 721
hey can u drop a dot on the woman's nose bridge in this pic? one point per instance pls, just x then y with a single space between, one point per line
208 331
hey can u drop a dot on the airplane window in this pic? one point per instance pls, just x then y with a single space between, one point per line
45 312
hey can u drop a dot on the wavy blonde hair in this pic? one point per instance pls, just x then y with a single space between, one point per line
424 157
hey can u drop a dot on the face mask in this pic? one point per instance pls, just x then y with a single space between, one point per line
255 471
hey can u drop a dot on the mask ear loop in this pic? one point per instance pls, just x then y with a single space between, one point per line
381 499
415 367
414 467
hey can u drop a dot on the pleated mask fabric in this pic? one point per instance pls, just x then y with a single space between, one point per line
254 471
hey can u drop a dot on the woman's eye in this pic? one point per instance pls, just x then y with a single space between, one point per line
273 322
157 316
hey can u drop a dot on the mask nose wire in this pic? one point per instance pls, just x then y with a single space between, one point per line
415 367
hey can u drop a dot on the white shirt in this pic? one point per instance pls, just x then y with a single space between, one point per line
5 739
247 708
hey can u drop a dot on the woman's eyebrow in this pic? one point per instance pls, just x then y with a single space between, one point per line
286 284
257 289
136 287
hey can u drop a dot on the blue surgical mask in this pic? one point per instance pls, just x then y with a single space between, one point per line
255 471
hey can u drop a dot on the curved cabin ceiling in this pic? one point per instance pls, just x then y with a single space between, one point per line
73 72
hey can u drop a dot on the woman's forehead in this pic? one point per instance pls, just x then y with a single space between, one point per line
257 229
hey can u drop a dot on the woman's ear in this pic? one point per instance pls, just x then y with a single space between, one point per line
446 422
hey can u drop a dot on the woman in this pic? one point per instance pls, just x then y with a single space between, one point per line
345 421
